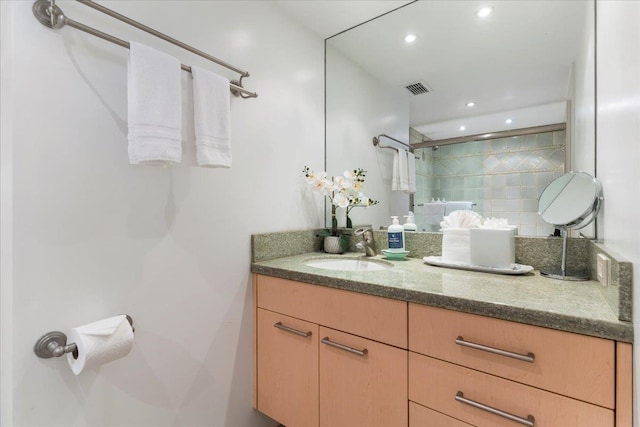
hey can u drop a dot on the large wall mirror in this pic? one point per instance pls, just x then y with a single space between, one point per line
496 106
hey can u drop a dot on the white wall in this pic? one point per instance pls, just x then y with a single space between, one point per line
360 107
583 117
85 235
618 139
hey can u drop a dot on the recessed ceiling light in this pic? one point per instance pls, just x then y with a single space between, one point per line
471 104
410 38
508 121
463 127
484 12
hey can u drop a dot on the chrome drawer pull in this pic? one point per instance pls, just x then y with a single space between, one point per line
327 341
279 325
529 421
529 357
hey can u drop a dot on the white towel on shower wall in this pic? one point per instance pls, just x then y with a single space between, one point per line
395 173
457 206
154 113
434 213
400 179
411 172
212 116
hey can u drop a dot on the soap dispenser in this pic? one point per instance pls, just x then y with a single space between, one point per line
410 222
395 234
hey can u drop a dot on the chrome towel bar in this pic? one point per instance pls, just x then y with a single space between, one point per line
376 143
51 16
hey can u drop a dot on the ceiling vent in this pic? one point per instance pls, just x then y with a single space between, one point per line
418 88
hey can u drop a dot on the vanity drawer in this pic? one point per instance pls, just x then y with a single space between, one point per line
435 384
570 364
376 318
419 416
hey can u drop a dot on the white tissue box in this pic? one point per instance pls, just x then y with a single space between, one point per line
455 245
493 247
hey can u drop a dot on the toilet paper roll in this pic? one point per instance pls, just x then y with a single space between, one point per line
100 342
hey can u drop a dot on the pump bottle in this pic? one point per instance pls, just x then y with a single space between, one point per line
410 222
395 234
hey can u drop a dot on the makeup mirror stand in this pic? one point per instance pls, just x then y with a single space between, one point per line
563 274
570 201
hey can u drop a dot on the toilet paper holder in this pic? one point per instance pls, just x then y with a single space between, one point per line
54 344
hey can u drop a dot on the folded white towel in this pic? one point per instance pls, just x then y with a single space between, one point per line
433 213
395 174
400 179
411 172
154 113
457 206
211 111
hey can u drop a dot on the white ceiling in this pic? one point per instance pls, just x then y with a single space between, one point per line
329 17
519 57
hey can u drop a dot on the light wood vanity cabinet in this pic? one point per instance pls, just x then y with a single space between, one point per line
459 361
326 357
425 366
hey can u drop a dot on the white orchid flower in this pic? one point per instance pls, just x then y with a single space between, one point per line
349 175
328 185
311 177
318 186
341 200
341 183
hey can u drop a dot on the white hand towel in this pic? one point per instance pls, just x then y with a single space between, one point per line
433 213
411 172
211 111
400 180
154 113
403 170
458 206
395 178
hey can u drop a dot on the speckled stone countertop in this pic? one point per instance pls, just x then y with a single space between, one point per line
578 307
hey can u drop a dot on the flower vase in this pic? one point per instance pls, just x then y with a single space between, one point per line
334 221
349 223
335 244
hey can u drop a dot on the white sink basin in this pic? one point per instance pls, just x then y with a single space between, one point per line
348 264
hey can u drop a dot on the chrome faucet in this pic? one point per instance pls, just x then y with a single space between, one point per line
368 243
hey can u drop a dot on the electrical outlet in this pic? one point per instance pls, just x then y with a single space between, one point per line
603 269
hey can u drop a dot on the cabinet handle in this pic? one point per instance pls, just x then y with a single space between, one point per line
529 421
279 325
529 357
327 341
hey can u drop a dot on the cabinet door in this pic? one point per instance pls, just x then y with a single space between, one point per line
362 382
287 369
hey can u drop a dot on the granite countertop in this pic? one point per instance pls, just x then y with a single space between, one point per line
530 298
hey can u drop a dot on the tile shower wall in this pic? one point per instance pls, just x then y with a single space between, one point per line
503 177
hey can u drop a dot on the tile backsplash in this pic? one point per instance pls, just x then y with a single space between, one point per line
503 177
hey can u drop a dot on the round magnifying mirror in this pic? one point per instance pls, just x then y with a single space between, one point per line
570 201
